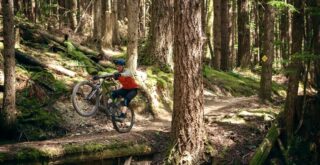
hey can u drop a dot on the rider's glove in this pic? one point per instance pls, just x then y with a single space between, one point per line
95 77
116 76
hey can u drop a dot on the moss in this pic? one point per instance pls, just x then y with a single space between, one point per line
29 154
95 147
236 83
2 156
90 66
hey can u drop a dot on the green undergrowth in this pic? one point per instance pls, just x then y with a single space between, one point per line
164 86
37 118
238 84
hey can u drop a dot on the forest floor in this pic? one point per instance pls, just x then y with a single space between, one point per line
235 127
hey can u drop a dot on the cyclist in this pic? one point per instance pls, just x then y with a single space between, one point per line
129 87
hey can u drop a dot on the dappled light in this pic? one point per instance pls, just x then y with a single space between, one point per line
179 82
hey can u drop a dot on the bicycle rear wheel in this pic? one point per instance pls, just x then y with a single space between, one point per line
85 98
126 124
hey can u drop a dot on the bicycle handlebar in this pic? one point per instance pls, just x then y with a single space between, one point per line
96 77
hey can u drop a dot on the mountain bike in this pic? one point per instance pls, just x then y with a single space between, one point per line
92 95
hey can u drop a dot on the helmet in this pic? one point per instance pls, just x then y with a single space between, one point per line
121 62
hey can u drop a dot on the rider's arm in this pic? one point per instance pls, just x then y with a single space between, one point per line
127 73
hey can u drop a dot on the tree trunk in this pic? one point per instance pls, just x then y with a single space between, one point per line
316 47
284 34
209 29
9 112
232 24
217 34
225 39
255 34
233 32
161 28
122 8
142 19
187 121
267 59
85 7
261 14
108 24
72 13
244 55
62 12
97 23
294 66
133 34
115 34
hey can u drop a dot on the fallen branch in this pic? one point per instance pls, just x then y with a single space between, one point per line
25 59
265 147
83 148
60 40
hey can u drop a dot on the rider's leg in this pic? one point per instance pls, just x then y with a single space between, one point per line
127 99
117 93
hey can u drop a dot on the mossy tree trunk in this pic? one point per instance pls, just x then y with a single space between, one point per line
187 121
133 34
160 46
267 58
294 66
9 112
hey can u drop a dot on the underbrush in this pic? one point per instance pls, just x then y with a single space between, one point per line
239 83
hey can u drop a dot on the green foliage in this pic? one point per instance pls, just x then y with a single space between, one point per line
36 120
281 5
78 55
48 80
162 79
237 84
29 154
301 151
2 156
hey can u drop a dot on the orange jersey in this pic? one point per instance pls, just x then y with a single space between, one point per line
127 81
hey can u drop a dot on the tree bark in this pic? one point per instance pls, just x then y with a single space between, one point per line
160 37
233 35
255 34
267 59
79 149
62 12
9 112
225 39
122 8
244 55
294 66
187 121
72 14
316 47
217 34
108 24
115 34
142 19
96 23
133 34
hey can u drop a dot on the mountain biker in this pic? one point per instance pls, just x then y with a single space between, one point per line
129 87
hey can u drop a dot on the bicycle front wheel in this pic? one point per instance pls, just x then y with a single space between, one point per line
123 125
85 98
